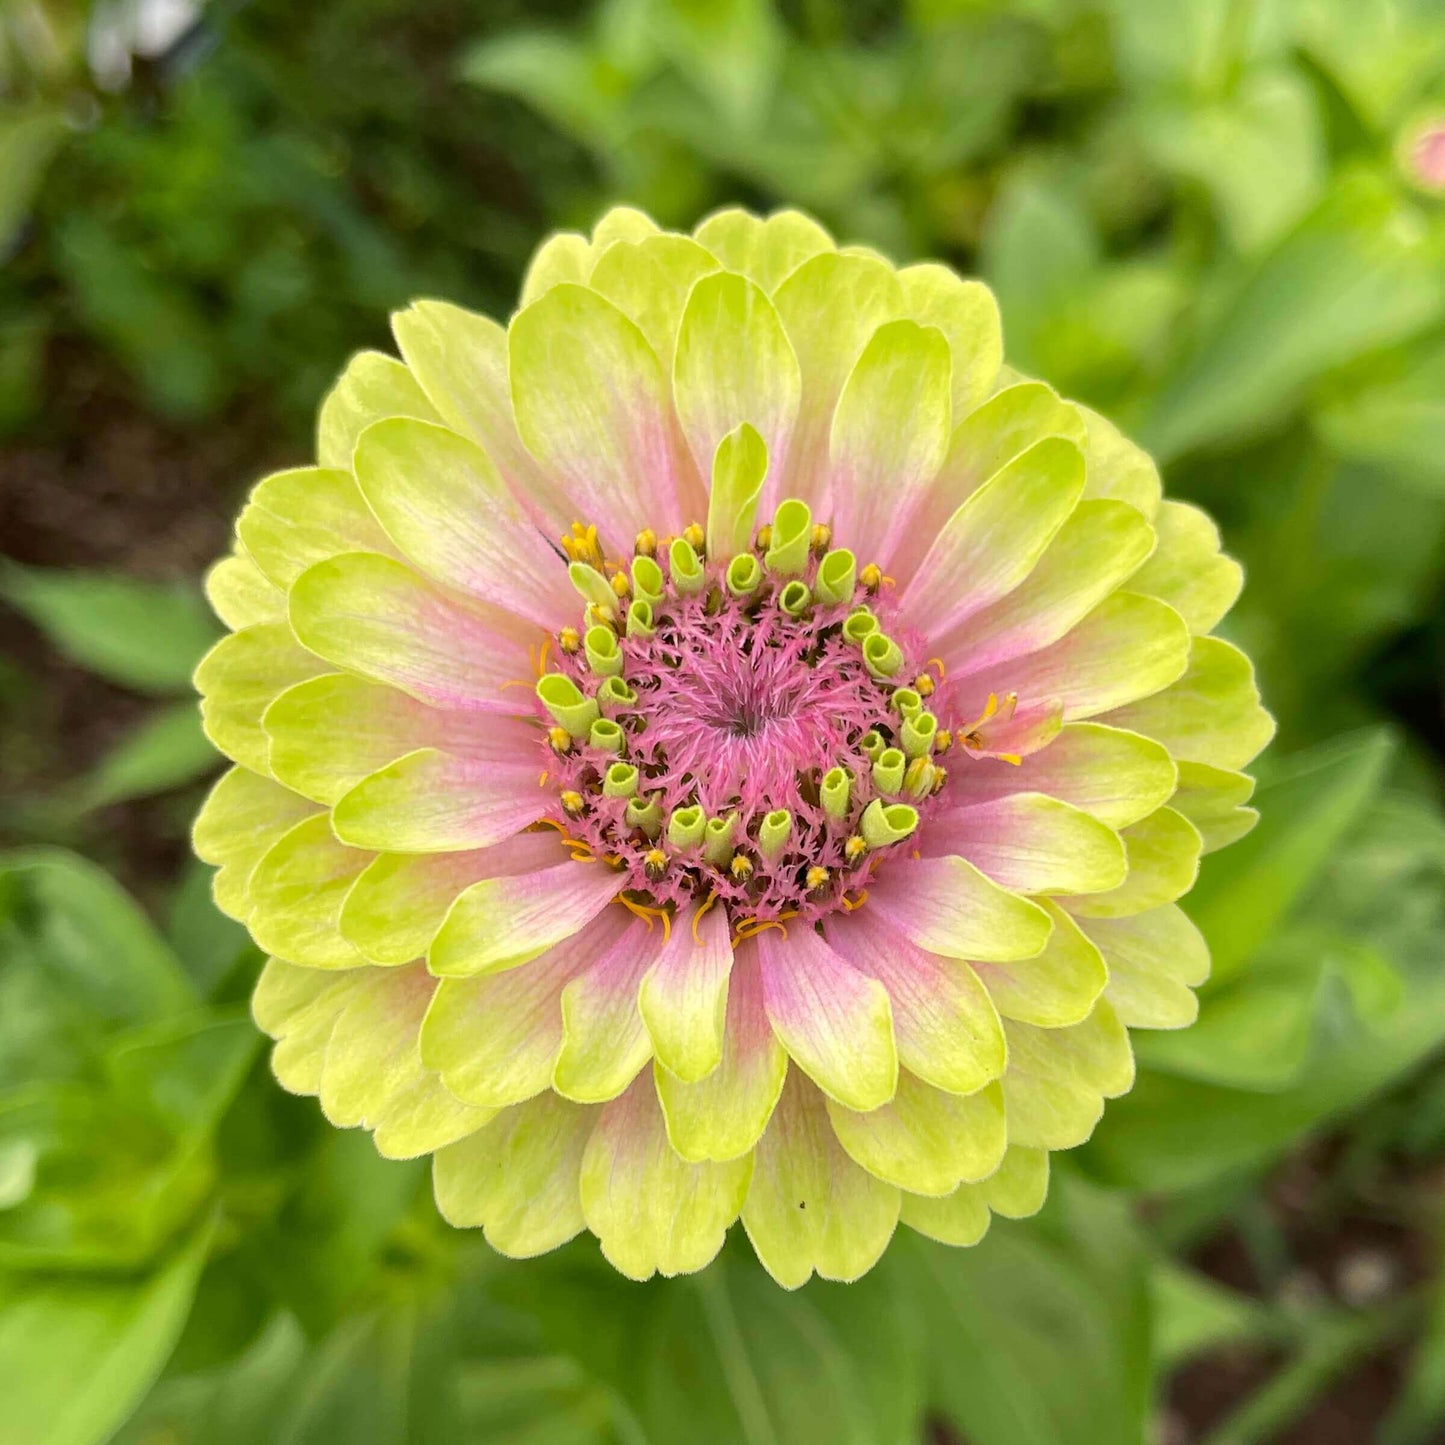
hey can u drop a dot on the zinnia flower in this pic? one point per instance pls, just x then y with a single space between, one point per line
721 745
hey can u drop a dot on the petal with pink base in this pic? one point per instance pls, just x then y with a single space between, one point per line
722 1115
651 1210
604 1041
1057 988
594 407
372 386
374 616
517 1177
502 922
684 995
444 504
948 907
834 1021
1163 851
810 1209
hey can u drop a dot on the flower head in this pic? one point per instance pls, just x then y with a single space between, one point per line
720 745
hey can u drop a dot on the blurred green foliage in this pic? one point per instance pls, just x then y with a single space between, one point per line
1198 215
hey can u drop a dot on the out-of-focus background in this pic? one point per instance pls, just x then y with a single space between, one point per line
1220 221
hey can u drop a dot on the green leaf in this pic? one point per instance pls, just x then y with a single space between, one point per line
144 635
29 140
76 1357
1194 1314
1040 1334
1358 273
1306 812
165 751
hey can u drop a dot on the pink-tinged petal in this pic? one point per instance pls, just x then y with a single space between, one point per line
502 922
1057 988
1031 843
734 364
604 1041
948 907
810 1209
495 1039
724 1114
1117 776
830 306
435 802
834 1021
395 907
517 1178
945 1024
652 1211
594 407
460 359
1016 731
1128 647
446 507
890 429
1095 552
993 541
375 617
926 1140
329 732
684 995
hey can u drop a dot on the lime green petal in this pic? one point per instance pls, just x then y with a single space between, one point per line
298 1008
297 891
1211 714
517 1177
445 505
431 801
239 678
1100 546
948 907
1058 1079
1156 960
604 1041
1116 776
243 815
925 1140
373 1074
959 1219
241 594
621 223
1058 987
1187 569
995 539
835 1021
499 923
810 1209
296 518
890 428
684 995
1019 1186
1032 843
1128 647
767 250
649 281
989 436
565 257
372 386
722 1115
494 1040
944 1022
1213 800
1118 468
329 732
967 314
374 616
734 364
1164 851
830 307
460 359
396 906
738 471
594 406
652 1211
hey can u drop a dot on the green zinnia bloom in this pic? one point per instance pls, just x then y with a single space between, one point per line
720 745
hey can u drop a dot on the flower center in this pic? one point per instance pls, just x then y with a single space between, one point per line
746 730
